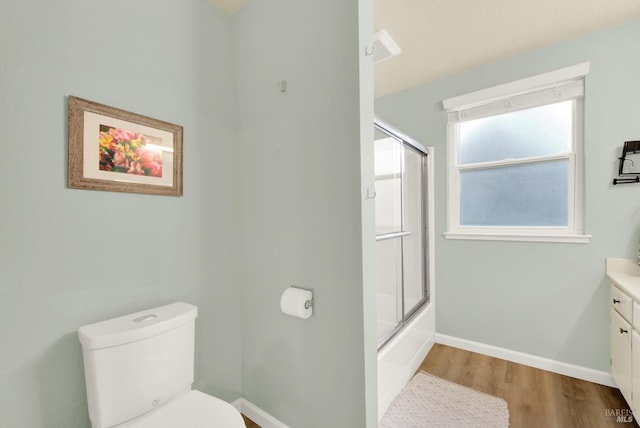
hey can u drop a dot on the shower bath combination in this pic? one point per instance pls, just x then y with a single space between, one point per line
403 197
402 266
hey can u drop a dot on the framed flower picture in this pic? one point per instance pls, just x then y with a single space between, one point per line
116 150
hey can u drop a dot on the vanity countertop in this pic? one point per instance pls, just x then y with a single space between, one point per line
625 273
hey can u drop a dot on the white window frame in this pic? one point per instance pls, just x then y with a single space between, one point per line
542 89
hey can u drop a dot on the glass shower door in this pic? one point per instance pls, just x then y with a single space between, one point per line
389 261
400 180
413 244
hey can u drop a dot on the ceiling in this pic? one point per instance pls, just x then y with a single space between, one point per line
443 37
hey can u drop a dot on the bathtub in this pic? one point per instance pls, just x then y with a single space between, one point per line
402 355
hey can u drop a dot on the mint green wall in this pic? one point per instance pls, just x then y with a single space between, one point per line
544 299
272 198
71 257
303 210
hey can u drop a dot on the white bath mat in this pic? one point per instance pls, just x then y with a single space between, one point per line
430 402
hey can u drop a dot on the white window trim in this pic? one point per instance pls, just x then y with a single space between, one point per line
574 232
517 87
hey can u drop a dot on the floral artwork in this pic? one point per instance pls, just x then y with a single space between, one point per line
120 151
129 152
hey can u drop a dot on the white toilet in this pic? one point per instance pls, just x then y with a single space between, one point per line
139 370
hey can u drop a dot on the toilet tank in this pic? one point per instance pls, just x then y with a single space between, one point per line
137 362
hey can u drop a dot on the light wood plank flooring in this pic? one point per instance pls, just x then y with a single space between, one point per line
536 398
249 423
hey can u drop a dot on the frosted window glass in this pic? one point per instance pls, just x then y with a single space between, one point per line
533 194
539 131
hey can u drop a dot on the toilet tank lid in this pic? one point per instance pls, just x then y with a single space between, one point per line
137 326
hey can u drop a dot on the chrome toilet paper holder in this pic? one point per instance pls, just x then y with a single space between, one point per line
299 297
307 303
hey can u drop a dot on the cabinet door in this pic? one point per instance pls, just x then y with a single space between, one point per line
635 369
621 354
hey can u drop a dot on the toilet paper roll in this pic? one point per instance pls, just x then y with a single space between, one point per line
293 302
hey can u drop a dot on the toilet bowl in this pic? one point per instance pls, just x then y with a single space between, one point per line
139 371
194 410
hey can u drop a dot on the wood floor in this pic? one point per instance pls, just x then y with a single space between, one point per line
249 423
536 398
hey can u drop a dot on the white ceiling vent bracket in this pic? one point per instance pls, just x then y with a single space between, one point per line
384 47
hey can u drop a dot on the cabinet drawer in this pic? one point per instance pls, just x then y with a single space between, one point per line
621 302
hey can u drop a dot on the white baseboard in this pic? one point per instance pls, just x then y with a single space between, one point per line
578 372
257 415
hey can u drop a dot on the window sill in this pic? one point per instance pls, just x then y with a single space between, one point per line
567 239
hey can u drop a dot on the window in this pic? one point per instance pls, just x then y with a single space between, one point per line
515 160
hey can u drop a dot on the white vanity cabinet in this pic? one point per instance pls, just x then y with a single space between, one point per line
624 310
621 346
635 371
